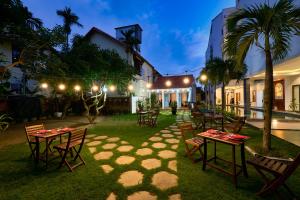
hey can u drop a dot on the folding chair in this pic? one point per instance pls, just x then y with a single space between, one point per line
75 139
236 126
280 168
29 129
192 144
151 120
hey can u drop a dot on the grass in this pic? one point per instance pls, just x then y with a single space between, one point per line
21 180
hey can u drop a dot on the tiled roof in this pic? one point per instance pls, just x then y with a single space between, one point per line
176 82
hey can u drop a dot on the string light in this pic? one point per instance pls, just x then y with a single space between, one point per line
61 86
186 80
44 85
148 85
77 88
168 83
112 88
130 87
203 77
95 88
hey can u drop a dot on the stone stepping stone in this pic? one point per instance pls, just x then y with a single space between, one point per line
92 149
172 141
90 135
167 135
177 133
174 146
175 197
124 142
175 129
165 131
173 126
112 196
86 141
113 139
107 168
144 152
142 195
164 180
159 145
94 143
125 160
151 163
145 144
125 148
101 137
109 146
172 165
155 139
166 154
157 134
104 155
131 178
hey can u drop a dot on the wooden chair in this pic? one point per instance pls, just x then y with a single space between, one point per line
198 119
192 144
75 139
280 168
29 129
236 126
151 120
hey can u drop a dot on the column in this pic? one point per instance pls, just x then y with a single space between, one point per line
178 98
190 95
163 99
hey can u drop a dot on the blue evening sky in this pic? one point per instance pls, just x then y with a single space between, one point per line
175 32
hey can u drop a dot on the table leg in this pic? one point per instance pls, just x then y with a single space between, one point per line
37 151
244 167
234 176
205 154
47 147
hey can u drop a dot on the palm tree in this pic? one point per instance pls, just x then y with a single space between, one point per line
270 28
221 71
70 19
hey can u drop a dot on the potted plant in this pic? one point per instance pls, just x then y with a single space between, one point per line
140 105
173 106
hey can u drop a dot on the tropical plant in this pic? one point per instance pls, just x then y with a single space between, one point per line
4 122
70 19
270 28
173 105
293 105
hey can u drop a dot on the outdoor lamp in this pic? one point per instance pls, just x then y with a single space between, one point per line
186 80
61 86
130 87
44 85
112 88
104 89
168 83
203 77
148 85
77 88
95 88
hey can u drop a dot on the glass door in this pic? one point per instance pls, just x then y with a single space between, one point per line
295 104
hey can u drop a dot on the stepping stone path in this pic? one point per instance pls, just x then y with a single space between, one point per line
156 157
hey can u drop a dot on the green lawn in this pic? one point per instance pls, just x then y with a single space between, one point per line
21 180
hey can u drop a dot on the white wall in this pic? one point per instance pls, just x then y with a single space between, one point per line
289 82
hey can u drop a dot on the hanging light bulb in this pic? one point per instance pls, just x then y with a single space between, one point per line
95 88
148 85
203 77
130 87
186 80
168 83
112 88
77 88
62 86
44 85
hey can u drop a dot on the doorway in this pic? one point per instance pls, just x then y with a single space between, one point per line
279 96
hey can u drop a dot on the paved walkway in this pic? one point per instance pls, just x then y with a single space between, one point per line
156 155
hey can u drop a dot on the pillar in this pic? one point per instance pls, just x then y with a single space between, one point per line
178 99
163 99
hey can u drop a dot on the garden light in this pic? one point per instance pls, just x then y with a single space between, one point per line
77 88
112 88
130 87
186 80
104 89
44 85
203 77
148 85
61 86
168 83
95 88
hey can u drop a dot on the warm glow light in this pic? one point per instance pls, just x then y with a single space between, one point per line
168 83
186 80
148 85
274 121
77 88
95 88
62 86
130 87
44 85
203 77
104 89
112 88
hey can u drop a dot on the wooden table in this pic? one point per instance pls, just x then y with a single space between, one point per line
225 138
141 117
47 136
212 116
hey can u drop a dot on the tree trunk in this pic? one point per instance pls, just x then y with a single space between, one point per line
268 98
223 97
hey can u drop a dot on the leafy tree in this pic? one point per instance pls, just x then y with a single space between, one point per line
70 19
270 28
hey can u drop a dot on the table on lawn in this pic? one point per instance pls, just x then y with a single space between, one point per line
212 116
228 139
47 135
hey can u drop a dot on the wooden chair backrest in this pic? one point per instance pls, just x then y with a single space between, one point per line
77 135
239 123
186 128
33 128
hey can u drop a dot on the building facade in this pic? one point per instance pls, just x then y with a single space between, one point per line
248 93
